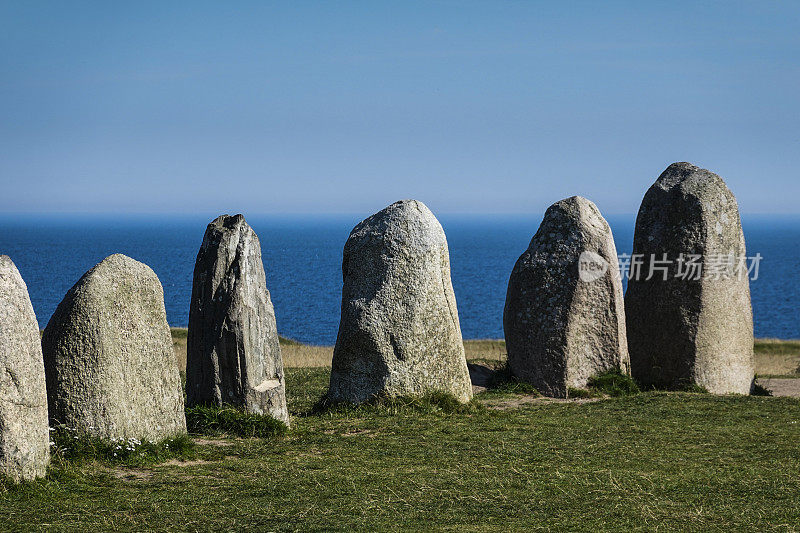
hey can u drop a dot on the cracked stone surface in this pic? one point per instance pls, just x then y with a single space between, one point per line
564 317
233 351
24 436
683 331
399 332
109 364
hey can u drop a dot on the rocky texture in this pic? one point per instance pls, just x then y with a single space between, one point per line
24 438
108 356
399 332
233 353
683 331
564 316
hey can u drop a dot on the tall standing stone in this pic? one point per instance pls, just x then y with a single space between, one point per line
564 317
685 327
399 332
110 368
233 353
24 438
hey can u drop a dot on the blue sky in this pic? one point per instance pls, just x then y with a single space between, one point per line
471 107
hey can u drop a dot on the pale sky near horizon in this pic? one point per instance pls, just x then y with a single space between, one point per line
471 107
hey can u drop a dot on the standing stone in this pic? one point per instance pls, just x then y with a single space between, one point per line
108 357
564 317
233 353
24 438
690 328
399 332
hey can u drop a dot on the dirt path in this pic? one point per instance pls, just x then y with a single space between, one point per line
782 386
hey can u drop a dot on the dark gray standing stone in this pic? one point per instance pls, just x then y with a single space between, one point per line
24 438
233 353
684 331
110 368
564 317
399 332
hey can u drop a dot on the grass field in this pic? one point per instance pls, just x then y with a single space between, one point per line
651 461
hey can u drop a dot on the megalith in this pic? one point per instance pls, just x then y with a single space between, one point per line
24 437
688 305
109 364
233 353
564 317
399 332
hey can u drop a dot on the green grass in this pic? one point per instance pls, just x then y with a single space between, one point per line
613 383
69 445
433 403
179 333
576 394
650 461
693 388
776 347
215 421
504 382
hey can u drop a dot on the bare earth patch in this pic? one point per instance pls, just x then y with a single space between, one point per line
178 462
130 474
213 442
768 364
789 387
513 403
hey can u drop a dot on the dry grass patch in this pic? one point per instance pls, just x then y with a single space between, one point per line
485 350
179 339
306 356
777 358
298 355
773 357
295 354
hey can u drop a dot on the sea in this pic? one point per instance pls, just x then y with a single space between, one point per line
302 258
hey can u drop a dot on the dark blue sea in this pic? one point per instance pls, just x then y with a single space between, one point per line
302 259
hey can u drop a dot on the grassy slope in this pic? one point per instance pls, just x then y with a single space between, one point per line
655 460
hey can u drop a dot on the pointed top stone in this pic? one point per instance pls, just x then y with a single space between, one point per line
564 317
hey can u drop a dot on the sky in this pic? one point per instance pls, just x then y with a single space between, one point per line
345 107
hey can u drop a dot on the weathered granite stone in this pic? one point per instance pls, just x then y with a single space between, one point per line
24 439
233 353
564 317
399 332
684 330
108 357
